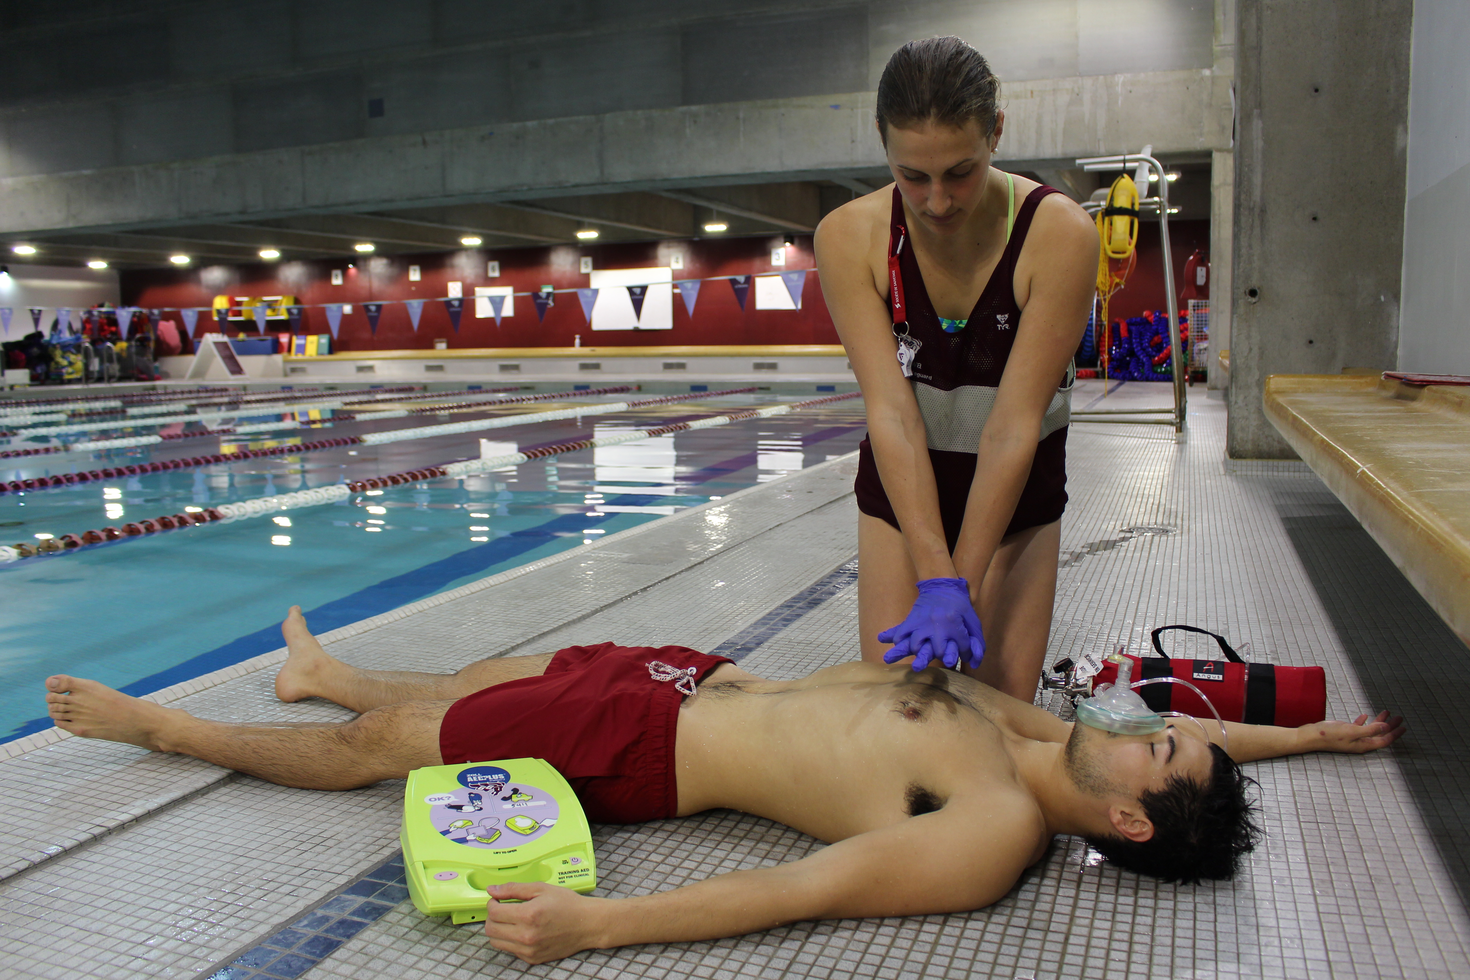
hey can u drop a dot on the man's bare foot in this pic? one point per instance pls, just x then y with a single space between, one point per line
94 710
301 675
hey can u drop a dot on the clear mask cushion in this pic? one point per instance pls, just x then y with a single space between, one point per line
1122 711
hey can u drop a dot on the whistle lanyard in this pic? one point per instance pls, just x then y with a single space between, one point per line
895 276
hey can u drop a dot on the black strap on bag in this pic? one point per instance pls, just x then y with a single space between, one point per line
1260 679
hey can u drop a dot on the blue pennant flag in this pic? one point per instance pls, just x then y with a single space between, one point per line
154 316
222 318
636 294
5 315
689 292
373 311
63 317
293 316
415 310
191 317
454 307
125 320
542 299
260 318
794 281
36 312
588 297
334 318
497 305
741 285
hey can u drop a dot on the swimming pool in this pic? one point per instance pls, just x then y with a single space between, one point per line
144 613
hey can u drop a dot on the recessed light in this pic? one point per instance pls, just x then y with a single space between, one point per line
587 234
96 264
714 226
179 259
365 247
23 249
469 241
270 253
1171 176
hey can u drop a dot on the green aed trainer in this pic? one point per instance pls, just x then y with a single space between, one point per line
468 827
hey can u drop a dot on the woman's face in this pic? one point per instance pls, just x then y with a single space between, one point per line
941 169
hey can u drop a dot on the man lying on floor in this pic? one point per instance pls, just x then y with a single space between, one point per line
934 791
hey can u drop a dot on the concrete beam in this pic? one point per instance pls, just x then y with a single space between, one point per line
682 148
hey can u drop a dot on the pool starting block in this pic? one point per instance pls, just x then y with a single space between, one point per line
467 827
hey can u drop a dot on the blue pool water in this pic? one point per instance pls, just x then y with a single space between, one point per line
146 613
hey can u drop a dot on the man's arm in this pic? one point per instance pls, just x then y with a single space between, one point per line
1249 743
898 870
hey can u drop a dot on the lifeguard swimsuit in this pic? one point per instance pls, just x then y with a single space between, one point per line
955 376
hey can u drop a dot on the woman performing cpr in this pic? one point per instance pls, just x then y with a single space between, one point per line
961 294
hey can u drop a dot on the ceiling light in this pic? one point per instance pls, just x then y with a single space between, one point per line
1173 210
179 259
587 234
23 249
1171 176
713 226
470 241
270 253
96 264
365 247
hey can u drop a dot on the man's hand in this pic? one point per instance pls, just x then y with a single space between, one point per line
538 923
1357 736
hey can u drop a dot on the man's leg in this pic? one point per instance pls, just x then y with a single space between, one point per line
1016 602
386 743
309 671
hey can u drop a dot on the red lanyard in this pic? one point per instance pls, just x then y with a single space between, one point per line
895 277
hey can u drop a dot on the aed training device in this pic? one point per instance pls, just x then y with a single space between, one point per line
467 827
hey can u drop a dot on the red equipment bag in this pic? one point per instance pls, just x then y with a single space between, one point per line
1257 694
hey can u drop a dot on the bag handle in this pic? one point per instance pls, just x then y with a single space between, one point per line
1225 647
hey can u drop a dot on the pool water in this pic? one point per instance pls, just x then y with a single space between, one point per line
146 613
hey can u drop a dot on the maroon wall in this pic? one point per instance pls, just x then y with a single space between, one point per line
718 318
1145 287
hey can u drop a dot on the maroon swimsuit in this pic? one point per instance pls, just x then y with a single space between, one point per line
953 374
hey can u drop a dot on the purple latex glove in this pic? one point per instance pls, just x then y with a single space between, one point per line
941 625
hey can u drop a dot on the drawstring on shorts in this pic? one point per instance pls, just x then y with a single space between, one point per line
683 679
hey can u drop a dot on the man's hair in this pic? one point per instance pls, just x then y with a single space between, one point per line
1200 831
941 78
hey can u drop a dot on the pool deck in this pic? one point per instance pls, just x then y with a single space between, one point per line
115 862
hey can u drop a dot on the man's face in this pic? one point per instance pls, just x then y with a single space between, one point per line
1105 764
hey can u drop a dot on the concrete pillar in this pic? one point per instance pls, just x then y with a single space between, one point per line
1222 214
1322 108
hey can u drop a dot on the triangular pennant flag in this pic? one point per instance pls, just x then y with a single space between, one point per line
5 315
542 300
454 307
222 317
293 316
260 318
334 318
63 317
154 317
497 304
36 312
415 310
588 298
125 320
689 290
373 311
190 317
794 282
741 285
636 294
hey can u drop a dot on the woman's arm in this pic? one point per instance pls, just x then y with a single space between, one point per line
845 249
1054 288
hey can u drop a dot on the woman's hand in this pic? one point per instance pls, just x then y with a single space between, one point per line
1358 736
941 625
538 922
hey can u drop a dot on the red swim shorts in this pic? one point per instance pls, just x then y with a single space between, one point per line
597 715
